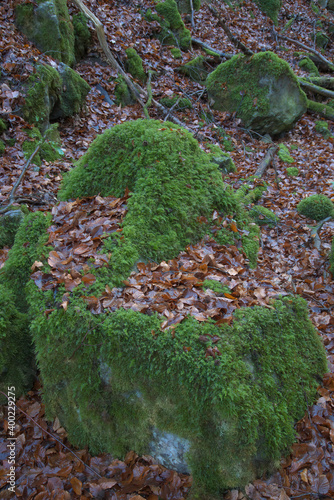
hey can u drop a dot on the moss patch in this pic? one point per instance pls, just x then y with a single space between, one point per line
284 154
215 286
48 151
263 216
3 126
292 171
180 103
322 128
122 93
176 53
173 31
134 65
316 207
306 64
195 69
9 224
270 7
73 94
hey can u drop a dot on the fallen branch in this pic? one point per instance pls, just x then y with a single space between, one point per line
315 88
138 93
321 109
309 49
207 47
19 180
192 14
264 164
326 82
232 38
315 233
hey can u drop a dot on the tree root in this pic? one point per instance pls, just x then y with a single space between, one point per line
321 109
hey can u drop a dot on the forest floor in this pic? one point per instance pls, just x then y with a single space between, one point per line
289 262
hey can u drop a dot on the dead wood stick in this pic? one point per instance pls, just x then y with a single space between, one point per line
321 109
264 164
315 232
192 14
19 180
315 88
232 38
309 49
138 93
206 46
326 82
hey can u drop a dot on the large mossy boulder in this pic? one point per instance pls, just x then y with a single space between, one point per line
270 7
262 90
173 30
47 24
52 94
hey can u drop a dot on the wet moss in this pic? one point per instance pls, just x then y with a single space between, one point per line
316 207
134 65
284 154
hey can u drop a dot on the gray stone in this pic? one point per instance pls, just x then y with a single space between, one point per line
170 450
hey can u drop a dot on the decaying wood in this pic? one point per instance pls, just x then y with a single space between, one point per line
315 88
308 49
264 164
327 82
315 232
320 109
19 180
206 46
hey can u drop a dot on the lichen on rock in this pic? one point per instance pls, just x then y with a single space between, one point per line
261 89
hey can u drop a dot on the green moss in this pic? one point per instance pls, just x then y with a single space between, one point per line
73 94
2 147
173 31
184 6
316 207
321 109
9 224
225 237
247 193
42 91
49 151
215 286
306 64
331 258
270 7
284 154
82 36
181 103
234 86
263 216
122 93
251 243
134 65
48 26
292 171
172 180
3 126
237 410
322 128
222 159
195 69
321 39
176 53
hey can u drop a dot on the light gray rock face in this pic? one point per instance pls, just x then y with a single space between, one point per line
170 450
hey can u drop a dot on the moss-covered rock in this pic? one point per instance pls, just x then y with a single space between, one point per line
9 224
49 27
195 69
173 31
82 36
235 407
306 64
321 39
261 89
222 159
176 53
316 207
52 94
179 103
263 216
270 7
292 171
17 364
134 65
284 154
173 183
72 98
322 128
49 151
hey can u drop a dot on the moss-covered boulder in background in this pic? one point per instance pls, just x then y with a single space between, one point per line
196 69
317 207
49 151
52 94
49 27
82 36
122 93
270 7
306 64
173 30
261 89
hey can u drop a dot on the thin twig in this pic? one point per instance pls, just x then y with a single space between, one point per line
54 437
19 180
306 47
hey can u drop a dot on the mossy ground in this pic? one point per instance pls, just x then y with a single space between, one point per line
48 151
134 65
292 171
270 7
195 69
316 207
173 31
263 216
9 224
180 103
284 154
322 128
